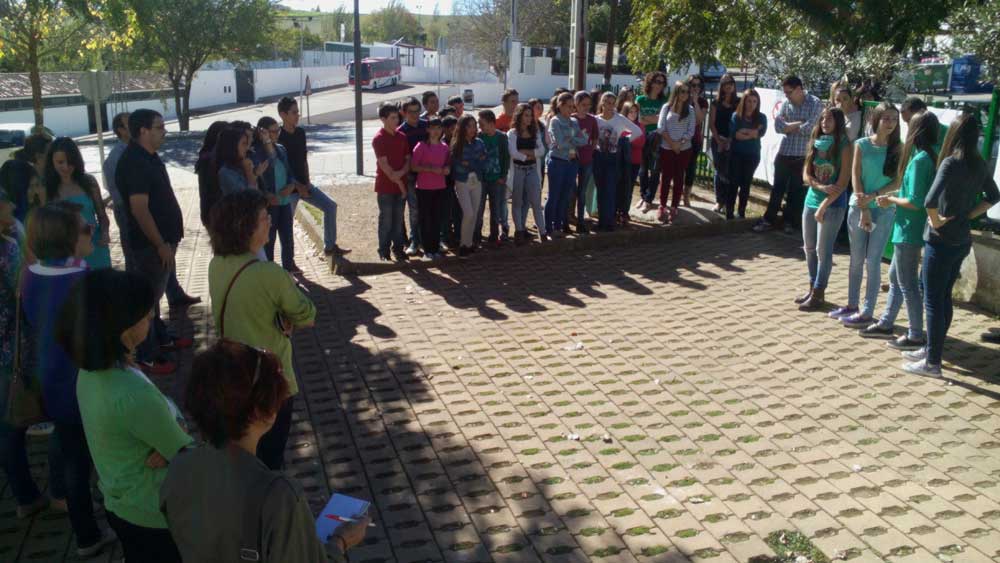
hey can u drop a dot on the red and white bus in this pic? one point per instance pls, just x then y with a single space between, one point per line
376 72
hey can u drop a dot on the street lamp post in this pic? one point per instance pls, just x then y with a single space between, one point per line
358 130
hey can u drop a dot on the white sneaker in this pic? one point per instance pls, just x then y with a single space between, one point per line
108 537
411 250
923 368
918 355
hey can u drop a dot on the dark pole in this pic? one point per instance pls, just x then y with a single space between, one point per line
609 57
358 139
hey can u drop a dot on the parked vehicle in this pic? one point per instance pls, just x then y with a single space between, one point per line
12 136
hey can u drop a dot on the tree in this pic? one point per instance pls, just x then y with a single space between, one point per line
32 31
283 43
391 23
975 28
331 22
184 34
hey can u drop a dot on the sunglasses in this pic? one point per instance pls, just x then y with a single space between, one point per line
259 352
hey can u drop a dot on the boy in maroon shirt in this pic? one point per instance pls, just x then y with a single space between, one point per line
585 158
393 154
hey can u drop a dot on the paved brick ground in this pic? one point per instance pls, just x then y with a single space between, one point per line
450 397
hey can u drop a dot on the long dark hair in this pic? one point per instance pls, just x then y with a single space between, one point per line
732 99
206 153
227 149
922 135
839 134
647 84
674 99
520 110
68 147
458 140
892 159
962 140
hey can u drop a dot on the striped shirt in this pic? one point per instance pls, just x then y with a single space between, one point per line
678 128
795 144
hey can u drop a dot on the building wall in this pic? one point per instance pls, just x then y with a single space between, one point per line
275 82
65 120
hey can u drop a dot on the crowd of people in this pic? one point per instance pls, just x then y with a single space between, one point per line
90 336
93 335
835 164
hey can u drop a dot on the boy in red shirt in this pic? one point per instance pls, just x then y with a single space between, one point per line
509 101
393 154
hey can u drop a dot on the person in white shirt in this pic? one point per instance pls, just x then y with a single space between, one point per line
526 147
610 127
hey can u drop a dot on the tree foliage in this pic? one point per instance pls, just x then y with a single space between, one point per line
184 34
975 28
391 23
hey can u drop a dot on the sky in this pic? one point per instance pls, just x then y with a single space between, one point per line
368 6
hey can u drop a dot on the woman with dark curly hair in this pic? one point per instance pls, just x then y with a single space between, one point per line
66 180
234 395
253 301
650 102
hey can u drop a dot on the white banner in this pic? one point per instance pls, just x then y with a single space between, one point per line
994 212
770 105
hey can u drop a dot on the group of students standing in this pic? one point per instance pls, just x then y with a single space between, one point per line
919 193
87 333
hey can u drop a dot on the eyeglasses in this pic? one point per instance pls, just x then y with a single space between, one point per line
259 352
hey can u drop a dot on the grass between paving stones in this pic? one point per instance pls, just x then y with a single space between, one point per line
789 546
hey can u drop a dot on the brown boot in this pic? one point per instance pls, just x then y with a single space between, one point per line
815 302
804 297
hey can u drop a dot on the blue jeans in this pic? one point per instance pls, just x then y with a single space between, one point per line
818 241
562 176
413 206
77 468
497 194
146 263
787 180
583 174
390 223
866 253
14 462
942 264
606 179
318 199
904 285
281 226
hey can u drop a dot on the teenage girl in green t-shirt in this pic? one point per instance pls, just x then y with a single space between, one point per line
650 103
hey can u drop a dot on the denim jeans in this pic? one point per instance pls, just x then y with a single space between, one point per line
579 192
14 462
942 264
497 195
904 285
625 182
649 171
721 179
77 467
431 209
390 223
281 226
121 220
741 169
606 180
818 241
414 211
469 194
562 178
149 545
866 253
271 447
787 179
318 199
148 265
527 192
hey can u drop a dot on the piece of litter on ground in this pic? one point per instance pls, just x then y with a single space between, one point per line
857 468
699 500
572 347
656 381
529 377
573 437
802 559
606 438
409 289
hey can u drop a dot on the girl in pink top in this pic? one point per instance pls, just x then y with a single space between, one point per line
431 162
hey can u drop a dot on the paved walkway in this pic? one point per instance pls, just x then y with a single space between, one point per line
659 403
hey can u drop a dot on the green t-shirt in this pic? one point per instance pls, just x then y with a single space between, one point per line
496 156
126 418
262 291
280 181
872 162
650 106
908 226
826 169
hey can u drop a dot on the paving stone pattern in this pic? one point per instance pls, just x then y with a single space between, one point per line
660 403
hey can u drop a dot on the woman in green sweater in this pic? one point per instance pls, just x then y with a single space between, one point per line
253 302
132 429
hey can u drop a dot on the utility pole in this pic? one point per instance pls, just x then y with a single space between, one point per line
358 130
612 32
578 46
